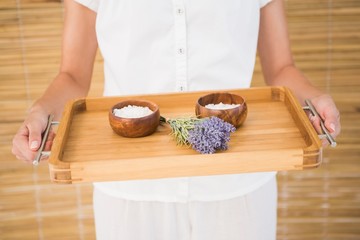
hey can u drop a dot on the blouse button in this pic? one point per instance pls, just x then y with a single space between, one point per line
180 11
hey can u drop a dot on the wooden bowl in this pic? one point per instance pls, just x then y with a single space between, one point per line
236 116
135 127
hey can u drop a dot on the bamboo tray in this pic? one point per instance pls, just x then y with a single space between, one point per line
276 136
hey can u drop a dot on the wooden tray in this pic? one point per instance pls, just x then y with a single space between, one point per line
276 136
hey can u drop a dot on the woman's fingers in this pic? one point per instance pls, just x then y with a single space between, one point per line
332 121
35 130
27 140
329 113
21 147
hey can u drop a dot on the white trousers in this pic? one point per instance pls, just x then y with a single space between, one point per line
249 217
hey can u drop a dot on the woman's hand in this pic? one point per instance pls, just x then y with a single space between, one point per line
28 139
73 81
279 68
327 110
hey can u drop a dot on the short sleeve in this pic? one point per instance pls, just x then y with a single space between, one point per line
91 4
264 2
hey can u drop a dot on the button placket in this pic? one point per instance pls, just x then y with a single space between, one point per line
180 45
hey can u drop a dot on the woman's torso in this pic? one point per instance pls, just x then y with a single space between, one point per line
174 46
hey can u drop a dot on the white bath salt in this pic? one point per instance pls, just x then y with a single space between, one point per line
221 106
132 111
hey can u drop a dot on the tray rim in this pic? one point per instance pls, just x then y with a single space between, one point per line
60 171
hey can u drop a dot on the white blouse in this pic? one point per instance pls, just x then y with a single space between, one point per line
173 46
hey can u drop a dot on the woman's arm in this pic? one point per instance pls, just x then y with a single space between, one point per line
78 54
73 80
279 68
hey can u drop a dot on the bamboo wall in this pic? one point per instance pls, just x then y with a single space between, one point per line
315 204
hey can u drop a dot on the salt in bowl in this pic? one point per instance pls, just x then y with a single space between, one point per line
138 126
235 116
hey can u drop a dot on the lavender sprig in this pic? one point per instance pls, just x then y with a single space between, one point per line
210 135
180 128
204 135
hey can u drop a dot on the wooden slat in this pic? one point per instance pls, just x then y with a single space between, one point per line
317 204
284 140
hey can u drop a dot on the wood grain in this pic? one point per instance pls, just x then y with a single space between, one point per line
276 127
313 205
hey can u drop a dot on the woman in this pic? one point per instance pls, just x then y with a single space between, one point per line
168 46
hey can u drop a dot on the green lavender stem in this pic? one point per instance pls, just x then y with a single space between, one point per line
180 128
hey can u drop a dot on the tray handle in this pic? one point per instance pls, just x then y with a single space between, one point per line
309 106
45 136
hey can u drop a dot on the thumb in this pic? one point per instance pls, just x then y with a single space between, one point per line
331 117
332 121
330 125
35 131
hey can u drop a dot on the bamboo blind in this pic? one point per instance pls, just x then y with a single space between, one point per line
316 204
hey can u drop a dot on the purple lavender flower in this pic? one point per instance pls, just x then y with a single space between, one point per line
210 135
